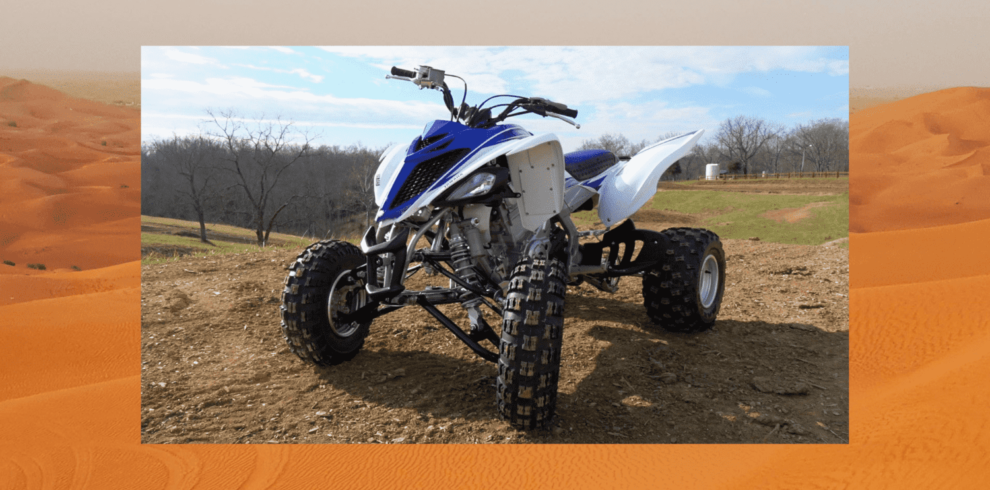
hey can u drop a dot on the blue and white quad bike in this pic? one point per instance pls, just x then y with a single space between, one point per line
488 205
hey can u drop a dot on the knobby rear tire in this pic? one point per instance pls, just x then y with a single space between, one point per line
674 292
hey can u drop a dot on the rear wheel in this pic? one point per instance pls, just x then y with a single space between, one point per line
684 292
321 286
532 335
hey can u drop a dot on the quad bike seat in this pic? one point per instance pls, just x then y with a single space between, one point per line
585 164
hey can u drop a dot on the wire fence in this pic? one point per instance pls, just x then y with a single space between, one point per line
782 175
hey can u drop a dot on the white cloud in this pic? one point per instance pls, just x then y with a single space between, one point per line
838 67
647 120
283 49
298 71
307 75
184 57
253 96
757 92
576 75
608 85
157 116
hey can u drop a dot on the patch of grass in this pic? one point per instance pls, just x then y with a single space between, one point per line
738 215
226 239
195 243
585 218
103 143
39 267
76 268
244 233
12 124
124 186
9 262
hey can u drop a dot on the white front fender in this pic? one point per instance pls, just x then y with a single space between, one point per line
633 185
391 162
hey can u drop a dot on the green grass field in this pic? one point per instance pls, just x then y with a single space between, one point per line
160 243
739 215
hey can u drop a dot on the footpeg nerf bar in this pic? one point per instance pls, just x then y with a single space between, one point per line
625 234
396 246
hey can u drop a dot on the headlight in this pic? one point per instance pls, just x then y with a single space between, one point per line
478 185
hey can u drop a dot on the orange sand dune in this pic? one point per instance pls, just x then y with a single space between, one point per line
60 283
64 342
70 180
928 254
920 162
919 349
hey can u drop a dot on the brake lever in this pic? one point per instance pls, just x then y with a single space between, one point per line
565 119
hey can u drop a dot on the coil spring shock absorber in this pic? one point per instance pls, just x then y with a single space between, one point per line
460 256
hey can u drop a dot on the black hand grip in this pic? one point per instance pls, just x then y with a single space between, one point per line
559 108
399 72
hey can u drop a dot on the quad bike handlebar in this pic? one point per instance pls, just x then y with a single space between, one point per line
428 77
399 72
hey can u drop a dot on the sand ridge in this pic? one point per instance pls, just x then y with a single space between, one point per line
922 161
70 177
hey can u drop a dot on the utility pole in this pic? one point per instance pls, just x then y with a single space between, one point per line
802 157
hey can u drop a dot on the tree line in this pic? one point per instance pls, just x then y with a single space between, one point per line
266 175
747 145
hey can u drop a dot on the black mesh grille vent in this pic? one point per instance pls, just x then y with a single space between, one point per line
423 143
426 173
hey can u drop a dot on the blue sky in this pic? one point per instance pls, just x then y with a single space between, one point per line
340 96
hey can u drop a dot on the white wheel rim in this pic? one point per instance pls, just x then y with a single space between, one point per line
345 300
708 281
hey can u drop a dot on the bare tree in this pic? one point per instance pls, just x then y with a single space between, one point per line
191 158
618 144
825 143
674 170
362 190
774 150
741 138
258 155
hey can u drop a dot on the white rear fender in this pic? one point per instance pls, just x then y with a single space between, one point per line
634 184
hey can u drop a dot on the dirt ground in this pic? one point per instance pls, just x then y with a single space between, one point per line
774 369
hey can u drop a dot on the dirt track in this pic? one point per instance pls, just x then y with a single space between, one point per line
774 369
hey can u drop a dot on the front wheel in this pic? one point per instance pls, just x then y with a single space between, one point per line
321 286
532 335
684 292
